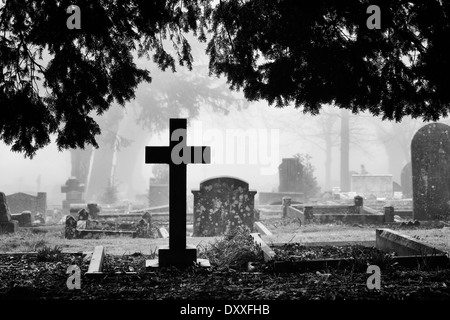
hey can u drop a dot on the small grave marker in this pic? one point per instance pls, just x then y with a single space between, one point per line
163 233
178 254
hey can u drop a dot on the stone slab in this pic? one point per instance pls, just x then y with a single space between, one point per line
262 229
440 260
95 266
296 213
403 245
351 218
163 233
331 243
267 251
86 233
154 263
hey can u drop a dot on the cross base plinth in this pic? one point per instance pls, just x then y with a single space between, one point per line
177 258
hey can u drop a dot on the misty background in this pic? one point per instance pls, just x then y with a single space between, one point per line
381 146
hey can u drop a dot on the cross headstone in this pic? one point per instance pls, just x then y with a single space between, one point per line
430 162
74 193
178 254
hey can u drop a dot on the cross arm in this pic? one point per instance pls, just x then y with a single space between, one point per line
157 155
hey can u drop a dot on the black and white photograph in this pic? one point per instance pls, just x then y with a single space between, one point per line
224 159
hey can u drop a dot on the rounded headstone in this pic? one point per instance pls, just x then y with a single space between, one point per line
430 164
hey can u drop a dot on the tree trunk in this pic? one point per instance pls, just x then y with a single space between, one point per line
345 150
328 155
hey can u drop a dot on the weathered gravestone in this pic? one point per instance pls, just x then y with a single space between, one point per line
406 180
222 204
7 225
158 194
74 193
23 218
290 174
430 164
177 155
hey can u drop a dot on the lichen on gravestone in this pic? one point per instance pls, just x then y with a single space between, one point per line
5 215
430 162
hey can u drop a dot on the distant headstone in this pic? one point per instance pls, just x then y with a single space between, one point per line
430 164
83 215
74 193
23 218
222 204
142 228
158 194
20 202
7 225
290 173
93 210
70 230
396 187
406 180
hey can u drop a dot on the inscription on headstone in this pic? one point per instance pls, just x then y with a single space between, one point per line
430 164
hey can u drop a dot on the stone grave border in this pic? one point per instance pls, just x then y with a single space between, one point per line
355 213
411 252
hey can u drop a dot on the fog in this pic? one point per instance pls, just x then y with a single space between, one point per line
248 142
278 135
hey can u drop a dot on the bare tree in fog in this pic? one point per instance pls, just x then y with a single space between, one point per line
283 52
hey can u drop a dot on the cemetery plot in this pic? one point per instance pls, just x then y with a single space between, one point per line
237 272
391 248
131 225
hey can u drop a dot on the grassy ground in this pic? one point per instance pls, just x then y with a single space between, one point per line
31 239
284 230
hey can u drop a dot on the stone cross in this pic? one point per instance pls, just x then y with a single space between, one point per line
177 254
74 193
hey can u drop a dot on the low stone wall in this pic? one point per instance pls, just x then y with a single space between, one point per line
295 213
23 218
350 218
336 209
405 214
